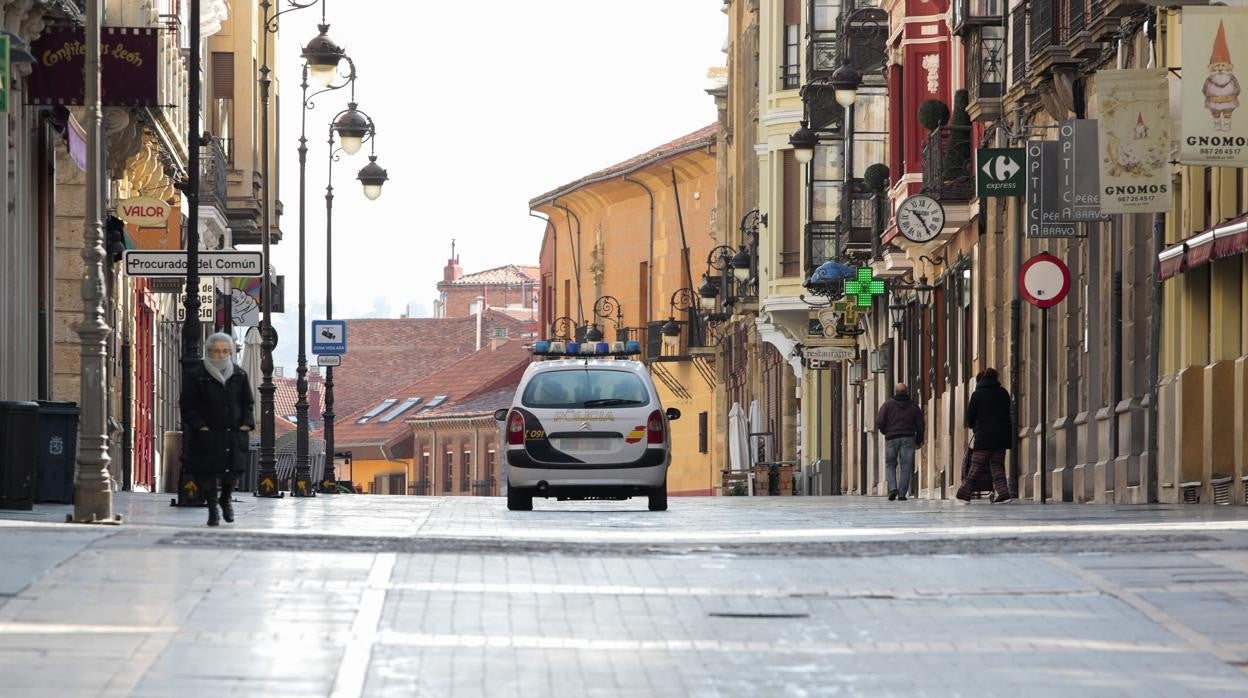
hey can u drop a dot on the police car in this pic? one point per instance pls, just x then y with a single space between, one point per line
586 423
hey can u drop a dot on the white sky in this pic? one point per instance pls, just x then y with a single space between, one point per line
479 107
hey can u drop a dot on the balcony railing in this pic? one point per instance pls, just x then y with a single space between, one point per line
947 165
1019 20
212 177
1049 24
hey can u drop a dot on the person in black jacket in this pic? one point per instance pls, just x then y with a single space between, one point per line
900 420
217 413
988 415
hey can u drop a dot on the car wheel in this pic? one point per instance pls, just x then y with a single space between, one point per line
517 501
658 498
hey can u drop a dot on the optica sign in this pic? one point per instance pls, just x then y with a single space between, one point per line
145 211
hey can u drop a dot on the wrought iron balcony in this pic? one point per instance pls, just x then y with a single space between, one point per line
212 175
947 165
968 14
825 241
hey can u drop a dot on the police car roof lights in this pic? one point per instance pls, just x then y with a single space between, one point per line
560 349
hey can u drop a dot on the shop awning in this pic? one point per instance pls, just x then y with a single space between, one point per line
1225 240
1173 261
1231 239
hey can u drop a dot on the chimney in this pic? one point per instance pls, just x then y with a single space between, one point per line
452 271
479 309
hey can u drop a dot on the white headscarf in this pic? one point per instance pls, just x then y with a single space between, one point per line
221 369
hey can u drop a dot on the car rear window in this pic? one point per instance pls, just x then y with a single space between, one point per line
585 388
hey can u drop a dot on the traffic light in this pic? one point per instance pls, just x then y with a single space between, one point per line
114 237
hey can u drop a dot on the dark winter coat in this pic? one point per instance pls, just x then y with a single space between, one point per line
988 414
221 449
900 416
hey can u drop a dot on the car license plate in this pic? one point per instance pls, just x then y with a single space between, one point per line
585 444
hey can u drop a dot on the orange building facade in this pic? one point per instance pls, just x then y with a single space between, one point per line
620 245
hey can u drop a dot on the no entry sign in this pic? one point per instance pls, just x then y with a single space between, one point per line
1044 280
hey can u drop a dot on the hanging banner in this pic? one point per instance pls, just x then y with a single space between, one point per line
1212 133
129 66
1078 180
1134 141
4 70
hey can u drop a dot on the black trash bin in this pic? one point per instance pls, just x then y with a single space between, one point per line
19 422
57 451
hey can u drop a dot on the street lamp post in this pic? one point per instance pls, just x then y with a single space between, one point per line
681 301
604 308
93 497
266 480
352 127
321 58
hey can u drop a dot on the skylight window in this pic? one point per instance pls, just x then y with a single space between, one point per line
376 410
399 409
434 403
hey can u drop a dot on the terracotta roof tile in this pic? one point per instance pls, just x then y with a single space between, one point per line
700 138
385 353
504 275
462 381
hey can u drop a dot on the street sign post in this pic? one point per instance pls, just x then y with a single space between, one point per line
223 263
1043 281
329 337
1000 172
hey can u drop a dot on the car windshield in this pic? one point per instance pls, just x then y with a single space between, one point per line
585 388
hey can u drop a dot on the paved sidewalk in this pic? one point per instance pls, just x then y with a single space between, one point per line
380 596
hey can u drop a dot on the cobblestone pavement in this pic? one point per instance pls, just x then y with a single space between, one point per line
425 596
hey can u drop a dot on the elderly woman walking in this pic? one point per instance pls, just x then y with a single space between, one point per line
217 413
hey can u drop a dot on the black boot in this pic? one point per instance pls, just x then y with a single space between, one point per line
209 489
227 504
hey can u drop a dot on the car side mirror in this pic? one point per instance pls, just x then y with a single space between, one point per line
673 414
500 414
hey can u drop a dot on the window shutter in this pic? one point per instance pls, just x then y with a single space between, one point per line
222 75
792 12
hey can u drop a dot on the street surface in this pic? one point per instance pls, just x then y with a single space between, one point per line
733 596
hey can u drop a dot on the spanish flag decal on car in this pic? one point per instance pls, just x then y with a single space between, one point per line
637 434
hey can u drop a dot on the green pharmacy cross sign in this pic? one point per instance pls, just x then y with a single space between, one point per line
864 287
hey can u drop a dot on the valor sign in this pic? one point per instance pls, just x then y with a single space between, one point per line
146 211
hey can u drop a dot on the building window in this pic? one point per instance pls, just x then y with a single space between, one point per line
499 333
223 101
465 471
790 60
791 250
448 474
376 410
702 432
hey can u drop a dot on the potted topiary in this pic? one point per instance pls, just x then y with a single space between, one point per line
933 114
876 178
959 148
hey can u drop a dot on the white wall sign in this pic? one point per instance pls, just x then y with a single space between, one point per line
1215 54
1134 141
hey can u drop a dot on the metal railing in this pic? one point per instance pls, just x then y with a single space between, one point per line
1048 24
1018 46
947 165
213 169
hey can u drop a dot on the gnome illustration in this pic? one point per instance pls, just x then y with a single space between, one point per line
1221 88
1141 130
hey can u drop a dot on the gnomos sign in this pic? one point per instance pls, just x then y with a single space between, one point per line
144 211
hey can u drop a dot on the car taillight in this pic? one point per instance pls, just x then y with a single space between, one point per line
515 429
655 428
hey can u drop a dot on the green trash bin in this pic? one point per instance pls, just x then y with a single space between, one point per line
18 428
57 451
